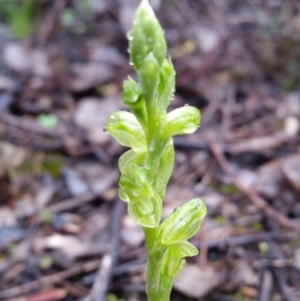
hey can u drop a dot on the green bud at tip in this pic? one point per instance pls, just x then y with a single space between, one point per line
146 36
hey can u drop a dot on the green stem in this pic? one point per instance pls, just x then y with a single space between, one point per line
153 274
150 236
158 287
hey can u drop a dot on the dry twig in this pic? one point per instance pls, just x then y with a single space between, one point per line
51 21
49 280
105 271
247 190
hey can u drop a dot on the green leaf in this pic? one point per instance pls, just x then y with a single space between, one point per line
125 128
49 121
183 223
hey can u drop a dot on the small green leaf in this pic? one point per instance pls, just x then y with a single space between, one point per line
49 121
183 223
45 262
125 128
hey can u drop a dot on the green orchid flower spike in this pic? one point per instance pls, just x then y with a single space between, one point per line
147 167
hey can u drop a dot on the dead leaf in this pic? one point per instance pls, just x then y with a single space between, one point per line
207 38
106 54
275 181
291 169
90 75
244 274
92 115
195 281
131 233
20 58
15 56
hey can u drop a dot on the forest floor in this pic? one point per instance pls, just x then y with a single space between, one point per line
64 234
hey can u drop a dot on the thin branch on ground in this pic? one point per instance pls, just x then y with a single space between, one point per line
51 21
49 280
108 262
248 191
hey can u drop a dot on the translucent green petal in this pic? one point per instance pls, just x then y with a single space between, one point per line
165 169
181 121
166 85
131 91
135 184
183 249
146 212
133 97
171 264
124 127
183 223
129 158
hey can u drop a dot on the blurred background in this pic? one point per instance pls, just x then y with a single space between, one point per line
64 235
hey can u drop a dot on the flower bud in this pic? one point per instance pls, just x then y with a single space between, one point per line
146 36
146 212
173 258
149 77
131 91
166 85
135 184
133 97
165 168
130 157
181 121
182 223
171 264
125 128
